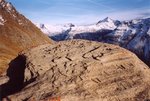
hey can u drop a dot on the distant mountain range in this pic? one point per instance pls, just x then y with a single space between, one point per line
133 35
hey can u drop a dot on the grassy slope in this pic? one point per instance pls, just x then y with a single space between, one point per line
15 38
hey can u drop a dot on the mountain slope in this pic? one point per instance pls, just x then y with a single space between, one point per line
77 70
16 34
133 35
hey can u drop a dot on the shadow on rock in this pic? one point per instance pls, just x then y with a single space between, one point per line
15 72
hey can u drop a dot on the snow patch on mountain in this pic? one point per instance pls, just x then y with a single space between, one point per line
148 32
9 6
1 20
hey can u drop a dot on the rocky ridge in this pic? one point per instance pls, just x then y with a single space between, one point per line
16 34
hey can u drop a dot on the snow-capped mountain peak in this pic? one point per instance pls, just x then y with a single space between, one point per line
133 35
42 26
52 30
107 23
107 19
71 29
69 25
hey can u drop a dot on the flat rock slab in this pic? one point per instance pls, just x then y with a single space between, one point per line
80 70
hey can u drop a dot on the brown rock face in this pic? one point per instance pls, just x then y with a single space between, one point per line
77 71
16 34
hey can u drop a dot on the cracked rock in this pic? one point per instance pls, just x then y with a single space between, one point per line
93 72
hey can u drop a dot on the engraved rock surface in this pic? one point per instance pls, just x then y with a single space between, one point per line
80 70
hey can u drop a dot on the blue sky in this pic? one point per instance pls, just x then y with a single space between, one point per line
81 11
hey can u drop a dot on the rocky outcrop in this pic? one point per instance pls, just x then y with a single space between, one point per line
16 34
77 70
